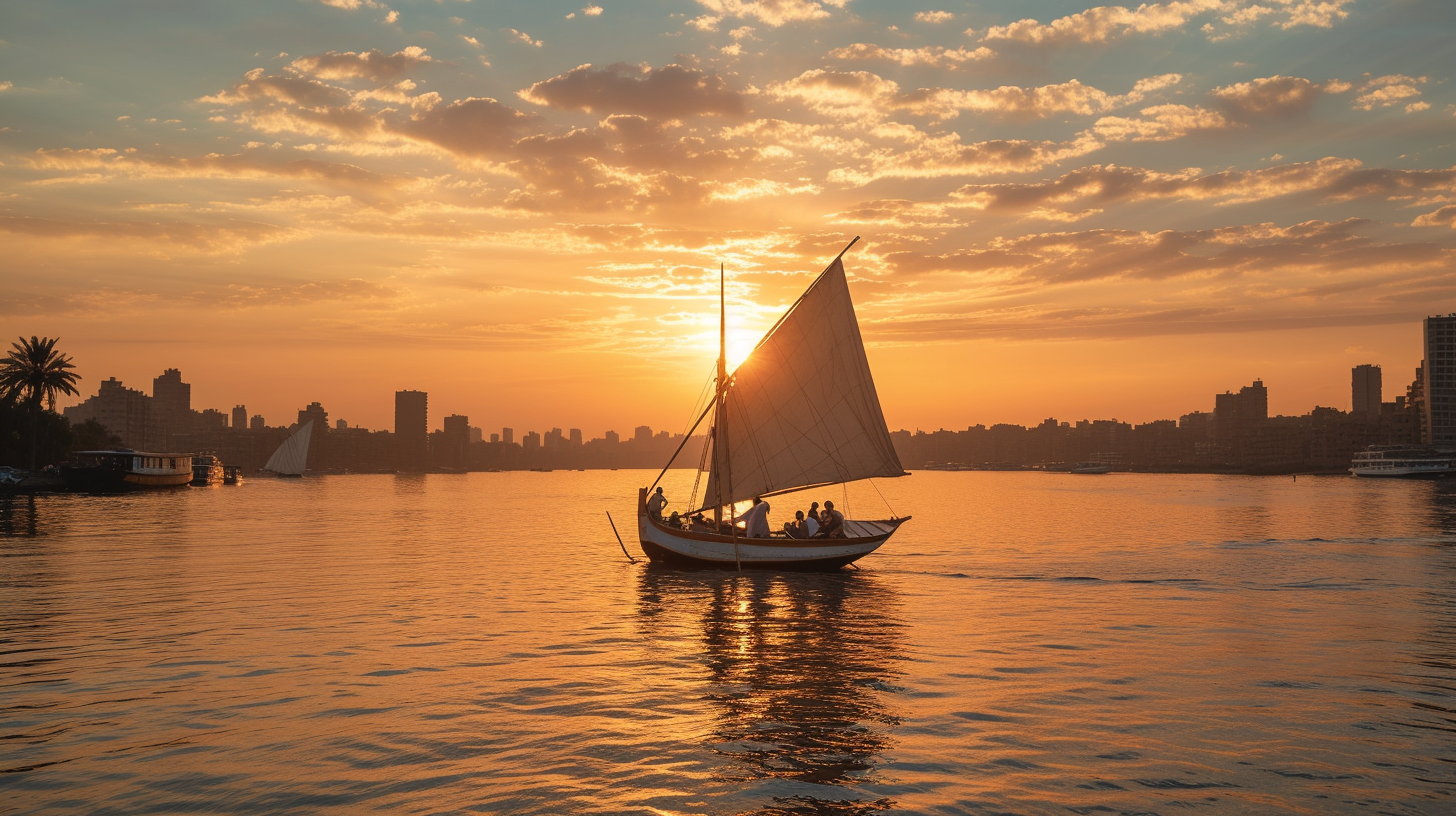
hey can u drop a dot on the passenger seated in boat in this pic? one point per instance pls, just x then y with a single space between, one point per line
811 522
814 514
755 519
674 520
832 522
656 504
796 528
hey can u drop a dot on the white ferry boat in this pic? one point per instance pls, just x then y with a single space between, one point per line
1403 461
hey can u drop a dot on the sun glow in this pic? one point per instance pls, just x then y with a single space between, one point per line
740 345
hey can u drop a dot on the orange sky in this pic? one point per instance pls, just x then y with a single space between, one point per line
1066 211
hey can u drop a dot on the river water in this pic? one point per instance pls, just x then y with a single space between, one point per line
1028 643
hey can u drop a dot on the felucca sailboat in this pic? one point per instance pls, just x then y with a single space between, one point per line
800 412
291 458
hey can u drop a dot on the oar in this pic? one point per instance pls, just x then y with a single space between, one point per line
619 538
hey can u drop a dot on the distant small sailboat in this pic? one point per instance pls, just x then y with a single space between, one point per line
800 412
291 458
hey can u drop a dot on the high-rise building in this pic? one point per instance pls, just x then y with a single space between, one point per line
172 403
256 423
642 434
1365 390
575 437
612 437
458 425
126 412
531 441
453 441
341 425
240 417
1234 414
412 428
1440 381
316 414
508 436
494 439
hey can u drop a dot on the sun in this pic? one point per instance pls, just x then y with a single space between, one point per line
740 345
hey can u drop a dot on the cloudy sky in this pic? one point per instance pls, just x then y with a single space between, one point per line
1066 210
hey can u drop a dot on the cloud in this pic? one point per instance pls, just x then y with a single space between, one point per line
934 17
220 236
1329 178
1272 96
522 36
1444 217
936 56
248 165
672 91
1160 123
592 11
374 64
772 13
1107 23
864 94
476 127
5 86
1383 92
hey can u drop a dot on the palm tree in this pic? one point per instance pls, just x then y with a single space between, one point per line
34 371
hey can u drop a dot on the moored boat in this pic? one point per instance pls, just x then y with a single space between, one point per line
232 474
1403 462
800 412
206 470
126 470
1092 467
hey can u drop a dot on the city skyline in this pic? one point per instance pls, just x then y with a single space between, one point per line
1065 209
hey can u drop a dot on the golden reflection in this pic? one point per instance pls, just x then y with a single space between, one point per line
802 669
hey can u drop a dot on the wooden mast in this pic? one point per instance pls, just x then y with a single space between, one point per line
718 399
722 423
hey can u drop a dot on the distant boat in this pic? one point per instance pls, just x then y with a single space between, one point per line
291 458
126 470
1403 462
800 412
1092 467
232 474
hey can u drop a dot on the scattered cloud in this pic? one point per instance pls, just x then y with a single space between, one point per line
374 65
1108 23
521 36
934 17
1386 91
1444 217
936 56
672 91
772 13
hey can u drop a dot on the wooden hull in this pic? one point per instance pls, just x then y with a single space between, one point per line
119 480
702 550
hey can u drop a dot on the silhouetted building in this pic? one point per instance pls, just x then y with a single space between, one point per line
172 404
257 423
1365 390
575 437
411 429
531 441
1440 384
450 452
613 438
212 419
494 439
508 436
643 433
341 425
240 417
1236 414
316 414
126 412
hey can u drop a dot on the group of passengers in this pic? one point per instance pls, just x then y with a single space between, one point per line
813 523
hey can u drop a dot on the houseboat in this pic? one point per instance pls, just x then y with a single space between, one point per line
126 470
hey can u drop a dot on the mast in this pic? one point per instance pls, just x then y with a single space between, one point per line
718 396
722 424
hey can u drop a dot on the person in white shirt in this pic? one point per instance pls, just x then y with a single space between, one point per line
655 504
811 524
755 519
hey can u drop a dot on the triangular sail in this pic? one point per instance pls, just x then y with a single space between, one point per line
802 409
291 458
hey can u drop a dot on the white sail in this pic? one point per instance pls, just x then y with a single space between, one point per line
291 458
802 409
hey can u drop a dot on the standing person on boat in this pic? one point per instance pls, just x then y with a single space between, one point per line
755 520
656 504
833 522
